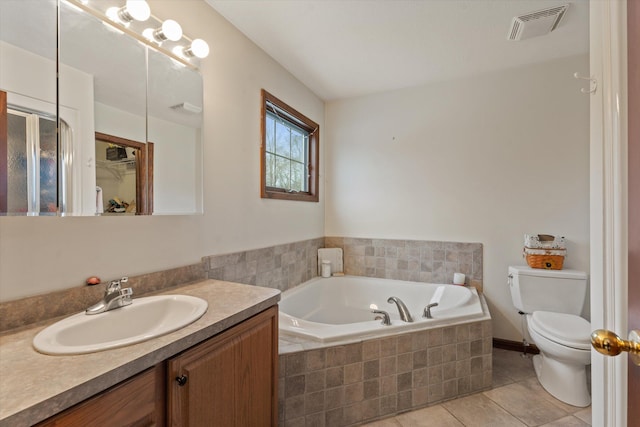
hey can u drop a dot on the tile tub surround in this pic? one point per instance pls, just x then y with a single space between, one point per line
280 267
25 311
414 260
346 385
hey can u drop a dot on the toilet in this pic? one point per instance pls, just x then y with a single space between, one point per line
552 301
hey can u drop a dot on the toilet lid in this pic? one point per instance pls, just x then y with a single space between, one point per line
566 329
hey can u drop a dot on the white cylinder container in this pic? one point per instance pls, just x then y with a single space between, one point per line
326 268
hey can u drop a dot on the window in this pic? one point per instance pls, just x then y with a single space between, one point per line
289 152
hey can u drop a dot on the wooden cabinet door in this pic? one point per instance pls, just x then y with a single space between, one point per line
136 402
229 380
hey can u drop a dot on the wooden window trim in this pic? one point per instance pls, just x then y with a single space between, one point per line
314 157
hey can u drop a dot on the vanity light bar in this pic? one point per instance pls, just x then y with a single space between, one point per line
167 30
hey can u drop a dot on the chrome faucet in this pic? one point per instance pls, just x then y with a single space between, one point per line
404 312
383 315
114 297
427 310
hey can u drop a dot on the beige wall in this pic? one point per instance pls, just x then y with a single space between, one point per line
38 255
484 159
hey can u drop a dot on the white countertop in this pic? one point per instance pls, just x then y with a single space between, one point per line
35 386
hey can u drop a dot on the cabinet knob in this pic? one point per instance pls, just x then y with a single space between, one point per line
181 380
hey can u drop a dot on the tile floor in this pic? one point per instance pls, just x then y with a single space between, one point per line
516 399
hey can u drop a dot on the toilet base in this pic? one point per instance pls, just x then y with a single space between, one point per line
565 382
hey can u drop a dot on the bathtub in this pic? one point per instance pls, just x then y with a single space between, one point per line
339 308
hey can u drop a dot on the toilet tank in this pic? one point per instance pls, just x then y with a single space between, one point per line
562 291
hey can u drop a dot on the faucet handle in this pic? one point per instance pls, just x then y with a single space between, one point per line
115 285
383 315
427 310
126 295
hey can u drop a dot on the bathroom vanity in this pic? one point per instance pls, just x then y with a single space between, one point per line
223 367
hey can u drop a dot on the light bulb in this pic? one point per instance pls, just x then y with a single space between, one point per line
171 30
199 48
148 34
112 13
133 9
138 9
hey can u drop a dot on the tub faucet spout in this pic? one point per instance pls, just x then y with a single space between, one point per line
405 316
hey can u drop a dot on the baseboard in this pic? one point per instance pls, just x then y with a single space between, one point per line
515 346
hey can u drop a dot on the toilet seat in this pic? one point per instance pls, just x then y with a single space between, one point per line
565 329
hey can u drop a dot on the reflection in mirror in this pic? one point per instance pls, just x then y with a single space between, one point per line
102 87
174 125
122 179
28 152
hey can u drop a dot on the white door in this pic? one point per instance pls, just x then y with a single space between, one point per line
609 190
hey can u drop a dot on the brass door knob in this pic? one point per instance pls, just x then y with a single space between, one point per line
610 344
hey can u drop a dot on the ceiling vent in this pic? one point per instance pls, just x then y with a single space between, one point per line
186 107
536 23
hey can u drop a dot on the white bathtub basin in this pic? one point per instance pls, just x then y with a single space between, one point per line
339 308
144 319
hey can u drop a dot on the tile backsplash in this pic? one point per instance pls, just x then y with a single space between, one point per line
414 260
280 267
25 311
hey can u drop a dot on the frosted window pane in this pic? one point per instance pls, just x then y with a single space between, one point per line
48 166
17 164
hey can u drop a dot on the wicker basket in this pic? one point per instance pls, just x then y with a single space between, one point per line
547 262
548 259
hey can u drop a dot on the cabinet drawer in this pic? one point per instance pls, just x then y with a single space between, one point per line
139 401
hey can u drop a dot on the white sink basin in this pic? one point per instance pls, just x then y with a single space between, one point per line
144 319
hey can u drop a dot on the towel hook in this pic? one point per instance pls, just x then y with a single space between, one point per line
593 83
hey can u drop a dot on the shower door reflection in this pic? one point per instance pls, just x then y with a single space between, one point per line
30 167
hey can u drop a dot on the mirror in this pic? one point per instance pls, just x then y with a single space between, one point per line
174 126
109 84
28 158
102 88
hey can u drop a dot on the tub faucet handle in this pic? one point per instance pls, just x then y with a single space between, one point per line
427 310
383 315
